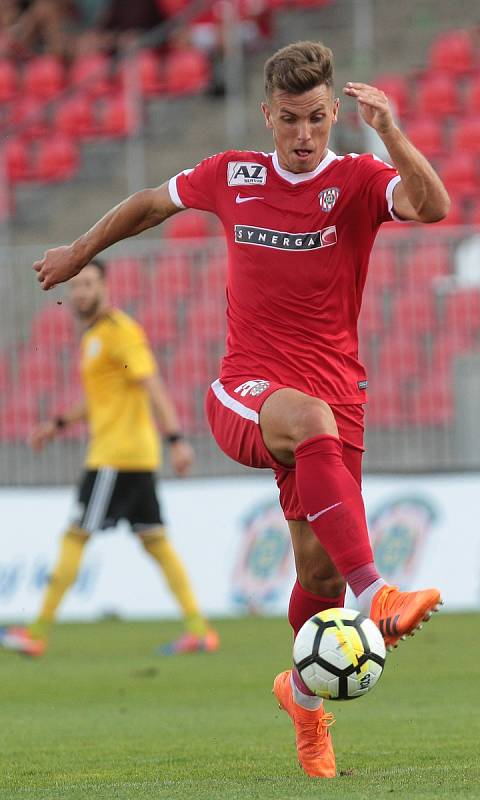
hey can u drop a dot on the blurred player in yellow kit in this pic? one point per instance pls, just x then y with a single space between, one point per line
123 391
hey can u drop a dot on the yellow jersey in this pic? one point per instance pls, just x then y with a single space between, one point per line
115 356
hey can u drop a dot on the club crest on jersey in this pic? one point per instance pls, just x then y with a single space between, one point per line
253 388
328 198
282 240
246 173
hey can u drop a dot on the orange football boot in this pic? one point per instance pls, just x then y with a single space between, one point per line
21 641
399 614
313 740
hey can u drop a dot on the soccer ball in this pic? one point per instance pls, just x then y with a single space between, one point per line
339 654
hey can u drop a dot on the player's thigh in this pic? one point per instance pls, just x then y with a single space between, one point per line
315 569
288 417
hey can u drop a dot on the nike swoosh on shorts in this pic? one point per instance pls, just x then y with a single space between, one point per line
313 517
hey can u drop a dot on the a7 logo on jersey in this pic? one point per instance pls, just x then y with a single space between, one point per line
246 173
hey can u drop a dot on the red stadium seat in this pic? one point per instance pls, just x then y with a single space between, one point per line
29 114
8 81
453 52
124 280
401 356
191 366
461 175
18 418
424 265
172 7
187 225
461 312
186 72
160 323
446 346
174 278
397 90
414 312
44 77
213 278
75 117
466 136
147 64
438 95
52 327
432 403
386 407
17 160
37 371
58 159
116 118
206 321
382 270
91 72
371 315
427 135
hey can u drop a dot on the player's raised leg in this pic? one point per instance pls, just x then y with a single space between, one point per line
300 429
33 640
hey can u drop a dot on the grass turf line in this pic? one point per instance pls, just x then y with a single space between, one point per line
101 717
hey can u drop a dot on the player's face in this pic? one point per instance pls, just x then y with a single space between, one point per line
87 292
301 125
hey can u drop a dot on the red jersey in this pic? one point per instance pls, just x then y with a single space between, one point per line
298 251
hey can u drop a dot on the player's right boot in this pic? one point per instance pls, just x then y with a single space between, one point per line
313 739
20 640
399 614
190 643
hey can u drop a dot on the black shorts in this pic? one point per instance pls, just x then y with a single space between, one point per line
108 495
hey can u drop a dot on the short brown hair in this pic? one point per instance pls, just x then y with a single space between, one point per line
298 68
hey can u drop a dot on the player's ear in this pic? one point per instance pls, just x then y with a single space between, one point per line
267 115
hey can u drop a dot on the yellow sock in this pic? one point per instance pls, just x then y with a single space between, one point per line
63 576
160 548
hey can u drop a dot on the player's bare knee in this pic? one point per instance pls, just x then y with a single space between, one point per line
312 417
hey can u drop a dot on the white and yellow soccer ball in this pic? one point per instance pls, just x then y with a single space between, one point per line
339 654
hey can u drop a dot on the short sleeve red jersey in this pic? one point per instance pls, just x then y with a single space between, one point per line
298 251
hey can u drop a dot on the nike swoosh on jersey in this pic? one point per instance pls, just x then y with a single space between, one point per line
240 199
313 517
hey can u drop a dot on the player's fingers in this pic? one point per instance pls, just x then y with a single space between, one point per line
37 265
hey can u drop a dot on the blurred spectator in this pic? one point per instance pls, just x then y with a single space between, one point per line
38 26
122 21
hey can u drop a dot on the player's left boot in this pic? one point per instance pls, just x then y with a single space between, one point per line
312 734
399 614
21 641
191 643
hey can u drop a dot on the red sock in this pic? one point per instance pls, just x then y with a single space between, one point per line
304 605
333 503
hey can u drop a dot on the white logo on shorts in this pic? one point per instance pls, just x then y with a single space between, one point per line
252 387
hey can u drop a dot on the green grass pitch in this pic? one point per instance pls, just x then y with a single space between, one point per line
101 717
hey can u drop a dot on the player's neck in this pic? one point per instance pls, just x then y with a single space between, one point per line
101 312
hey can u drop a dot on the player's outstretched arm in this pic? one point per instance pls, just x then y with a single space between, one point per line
420 195
137 213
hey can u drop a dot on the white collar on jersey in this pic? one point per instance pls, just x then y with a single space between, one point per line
294 177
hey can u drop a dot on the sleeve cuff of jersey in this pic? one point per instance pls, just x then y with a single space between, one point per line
389 196
173 191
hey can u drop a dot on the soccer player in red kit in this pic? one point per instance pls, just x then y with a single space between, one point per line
300 224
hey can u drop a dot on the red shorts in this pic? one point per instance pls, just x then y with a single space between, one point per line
233 412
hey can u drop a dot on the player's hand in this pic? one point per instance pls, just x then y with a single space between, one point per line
42 434
373 106
181 457
56 266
